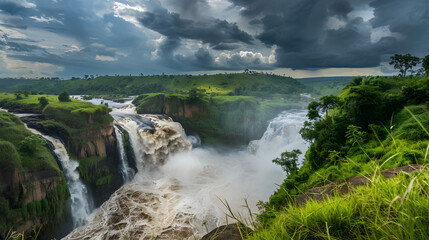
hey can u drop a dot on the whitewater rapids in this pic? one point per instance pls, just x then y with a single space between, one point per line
178 188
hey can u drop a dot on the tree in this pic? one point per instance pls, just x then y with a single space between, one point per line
18 94
425 64
313 110
404 63
195 94
288 161
328 102
30 143
307 132
43 101
64 97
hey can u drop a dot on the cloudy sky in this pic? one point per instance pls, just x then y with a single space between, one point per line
299 38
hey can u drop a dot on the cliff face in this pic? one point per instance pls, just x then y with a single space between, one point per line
98 141
24 190
28 186
231 120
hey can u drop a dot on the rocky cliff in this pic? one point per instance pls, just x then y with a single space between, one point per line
27 191
33 192
217 119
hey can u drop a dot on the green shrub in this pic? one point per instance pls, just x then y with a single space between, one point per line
9 157
64 97
29 144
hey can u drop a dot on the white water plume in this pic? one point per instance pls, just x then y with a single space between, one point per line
126 172
80 207
178 188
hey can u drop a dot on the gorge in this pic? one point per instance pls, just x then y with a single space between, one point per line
177 188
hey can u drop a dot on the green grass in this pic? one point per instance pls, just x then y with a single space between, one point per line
13 210
12 133
394 208
395 137
71 120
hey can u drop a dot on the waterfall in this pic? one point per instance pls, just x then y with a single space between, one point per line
177 188
80 207
126 172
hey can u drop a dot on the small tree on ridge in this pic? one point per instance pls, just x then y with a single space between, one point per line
64 97
404 63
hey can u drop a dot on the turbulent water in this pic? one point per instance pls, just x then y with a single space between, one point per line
80 207
126 172
177 188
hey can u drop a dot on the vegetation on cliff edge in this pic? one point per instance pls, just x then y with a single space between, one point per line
375 123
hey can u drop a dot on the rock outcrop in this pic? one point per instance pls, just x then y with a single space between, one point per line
98 143
23 188
344 186
29 186
227 232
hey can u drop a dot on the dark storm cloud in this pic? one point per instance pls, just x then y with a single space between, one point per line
92 35
210 31
190 8
303 41
410 19
226 46
340 8
11 8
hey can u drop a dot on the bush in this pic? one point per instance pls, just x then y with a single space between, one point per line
43 101
30 143
9 157
4 206
64 97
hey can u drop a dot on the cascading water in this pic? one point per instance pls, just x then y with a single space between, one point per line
80 207
177 188
126 172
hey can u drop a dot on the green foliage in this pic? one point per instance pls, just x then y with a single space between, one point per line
4 207
64 97
196 94
18 95
43 101
288 161
354 135
9 157
29 144
425 64
404 63
219 84
395 208
366 132
328 102
226 119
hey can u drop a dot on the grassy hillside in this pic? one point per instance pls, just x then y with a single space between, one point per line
81 125
14 154
25 154
10 82
324 86
220 84
374 124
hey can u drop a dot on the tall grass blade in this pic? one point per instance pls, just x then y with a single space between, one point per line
394 155
376 135
390 135
417 120
426 154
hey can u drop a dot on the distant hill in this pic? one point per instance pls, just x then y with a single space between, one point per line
322 86
219 84
6 83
